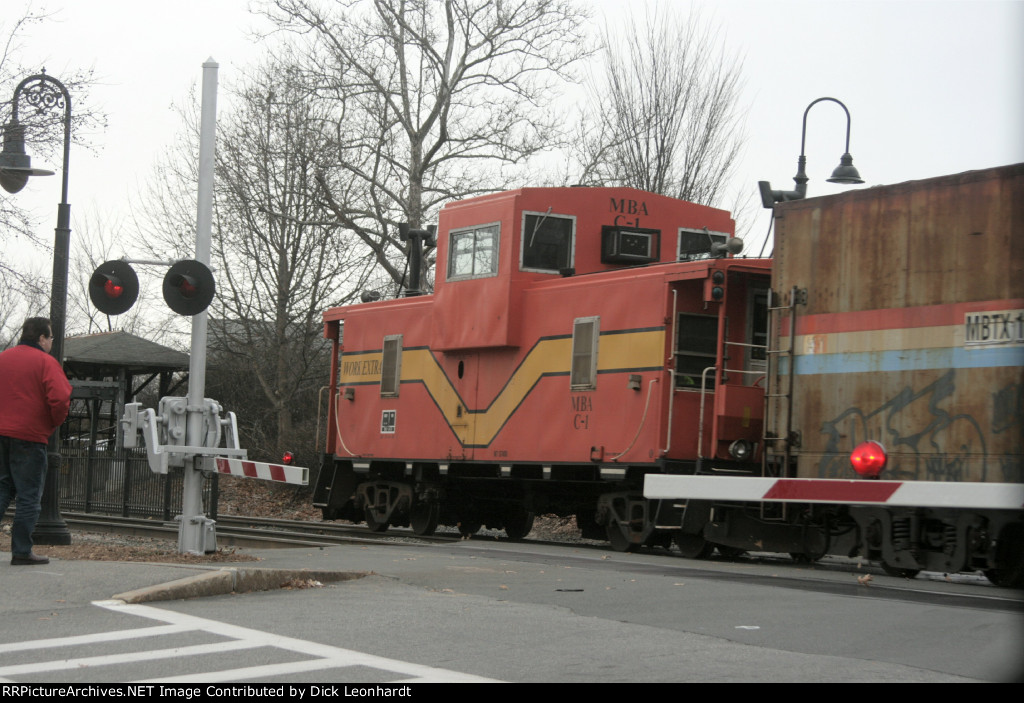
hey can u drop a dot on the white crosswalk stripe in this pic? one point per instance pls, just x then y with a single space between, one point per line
317 656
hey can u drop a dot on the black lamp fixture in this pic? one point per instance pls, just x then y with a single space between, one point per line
845 172
15 164
45 93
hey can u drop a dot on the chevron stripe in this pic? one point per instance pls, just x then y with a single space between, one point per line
623 351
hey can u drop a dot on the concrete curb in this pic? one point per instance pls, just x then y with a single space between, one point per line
232 580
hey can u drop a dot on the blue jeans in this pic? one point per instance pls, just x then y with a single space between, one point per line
22 474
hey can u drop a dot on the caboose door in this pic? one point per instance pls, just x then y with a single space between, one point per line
463 372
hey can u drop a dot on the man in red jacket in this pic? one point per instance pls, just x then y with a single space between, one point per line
34 399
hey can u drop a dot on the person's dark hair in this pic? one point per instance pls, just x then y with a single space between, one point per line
33 327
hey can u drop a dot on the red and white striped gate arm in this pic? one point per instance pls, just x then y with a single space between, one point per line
936 494
259 469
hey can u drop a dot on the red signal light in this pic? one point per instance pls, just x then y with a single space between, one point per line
868 459
186 288
112 289
287 459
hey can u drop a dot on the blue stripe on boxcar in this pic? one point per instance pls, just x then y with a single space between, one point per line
905 360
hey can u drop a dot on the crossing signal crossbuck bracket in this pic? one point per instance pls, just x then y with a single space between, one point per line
164 435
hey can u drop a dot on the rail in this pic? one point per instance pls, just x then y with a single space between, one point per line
704 390
251 532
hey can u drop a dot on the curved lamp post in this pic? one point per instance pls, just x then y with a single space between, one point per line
845 172
45 93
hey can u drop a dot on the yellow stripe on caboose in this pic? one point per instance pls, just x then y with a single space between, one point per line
618 352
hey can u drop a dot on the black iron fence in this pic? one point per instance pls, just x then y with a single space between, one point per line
118 482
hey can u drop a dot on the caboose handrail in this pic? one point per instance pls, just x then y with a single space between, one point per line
700 421
745 345
672 372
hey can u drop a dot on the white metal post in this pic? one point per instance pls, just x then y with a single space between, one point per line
196 533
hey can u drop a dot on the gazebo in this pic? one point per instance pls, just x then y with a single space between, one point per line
106 371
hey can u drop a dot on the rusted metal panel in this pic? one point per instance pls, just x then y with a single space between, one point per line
913 329
919 243
952 425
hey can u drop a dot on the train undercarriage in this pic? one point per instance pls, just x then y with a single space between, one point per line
904 541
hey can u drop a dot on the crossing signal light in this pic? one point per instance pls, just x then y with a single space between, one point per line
869 459
113 287
188 287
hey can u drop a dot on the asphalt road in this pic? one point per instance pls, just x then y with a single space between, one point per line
512 612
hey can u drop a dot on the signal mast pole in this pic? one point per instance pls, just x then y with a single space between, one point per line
194 524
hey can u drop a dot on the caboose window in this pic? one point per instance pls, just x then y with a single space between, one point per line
696 244
473 253
547 242
391 366
585 333
696 349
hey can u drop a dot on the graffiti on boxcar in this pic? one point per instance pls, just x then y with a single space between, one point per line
1008 418
1008 408
932 444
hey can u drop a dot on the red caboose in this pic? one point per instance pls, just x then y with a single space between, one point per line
577 339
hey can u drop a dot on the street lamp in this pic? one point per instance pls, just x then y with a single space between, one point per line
45 93
845 172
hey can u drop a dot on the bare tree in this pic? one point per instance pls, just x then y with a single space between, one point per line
668 117
30 298
23 287
282 259
101 238
280 256
433 100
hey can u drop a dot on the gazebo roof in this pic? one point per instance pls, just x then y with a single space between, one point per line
110 351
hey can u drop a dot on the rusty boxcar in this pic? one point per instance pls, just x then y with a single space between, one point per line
897 337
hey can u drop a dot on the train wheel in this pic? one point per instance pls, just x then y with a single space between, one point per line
1000 577
423 517
373 522
659 539
589 529
899 572
619 540
468 528
518 523
693 546
1010 558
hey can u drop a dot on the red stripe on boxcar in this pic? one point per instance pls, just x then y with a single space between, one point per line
897 318
832 490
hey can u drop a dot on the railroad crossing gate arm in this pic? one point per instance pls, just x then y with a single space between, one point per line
257 469
939 494
235 464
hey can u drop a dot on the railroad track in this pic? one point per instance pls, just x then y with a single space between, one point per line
268 533
253 532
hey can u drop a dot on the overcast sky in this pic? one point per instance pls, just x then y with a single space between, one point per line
933 86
